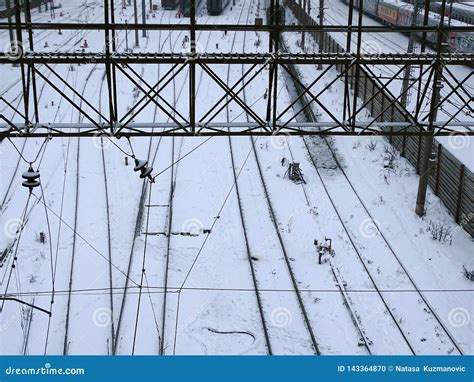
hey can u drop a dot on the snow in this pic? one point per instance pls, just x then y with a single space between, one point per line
211 304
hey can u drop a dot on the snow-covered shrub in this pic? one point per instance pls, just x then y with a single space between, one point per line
440 232
468 274
371 145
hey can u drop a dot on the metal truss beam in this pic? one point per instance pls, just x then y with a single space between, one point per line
235 27
236 58
19 130
36 65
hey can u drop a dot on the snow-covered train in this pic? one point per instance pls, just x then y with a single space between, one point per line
400 14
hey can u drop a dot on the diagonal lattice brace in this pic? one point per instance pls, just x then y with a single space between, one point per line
315 98
150 99
226 98
232 94
71 102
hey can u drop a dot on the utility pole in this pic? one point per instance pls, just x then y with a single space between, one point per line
321 34
411 44
135 14
143 17
428 140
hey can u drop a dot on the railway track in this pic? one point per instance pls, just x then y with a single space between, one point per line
361 256
261 302
168 221
250 257
338 279
386 243
109 235
76 209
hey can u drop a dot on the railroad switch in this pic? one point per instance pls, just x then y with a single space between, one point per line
324 248
294 173
32 178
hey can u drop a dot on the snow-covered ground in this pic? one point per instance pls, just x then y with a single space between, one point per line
206 259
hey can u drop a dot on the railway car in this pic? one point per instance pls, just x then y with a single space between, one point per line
457 41
169 4
388 12
462 41
400 14
370 6
459 11
215 7
280 13
184 6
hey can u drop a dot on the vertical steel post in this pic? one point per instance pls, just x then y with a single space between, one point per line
357 67
143 17
305 19
321 33
346 107
20 50
10 28
428 141
112 66
192 67
271 22
411 44
276 26
31 67
135 14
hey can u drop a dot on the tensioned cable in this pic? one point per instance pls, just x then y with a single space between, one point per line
175 289
87 242
37 155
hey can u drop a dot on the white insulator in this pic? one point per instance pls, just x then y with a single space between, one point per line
140 164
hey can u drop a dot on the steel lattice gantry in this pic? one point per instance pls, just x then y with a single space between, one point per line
34 64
